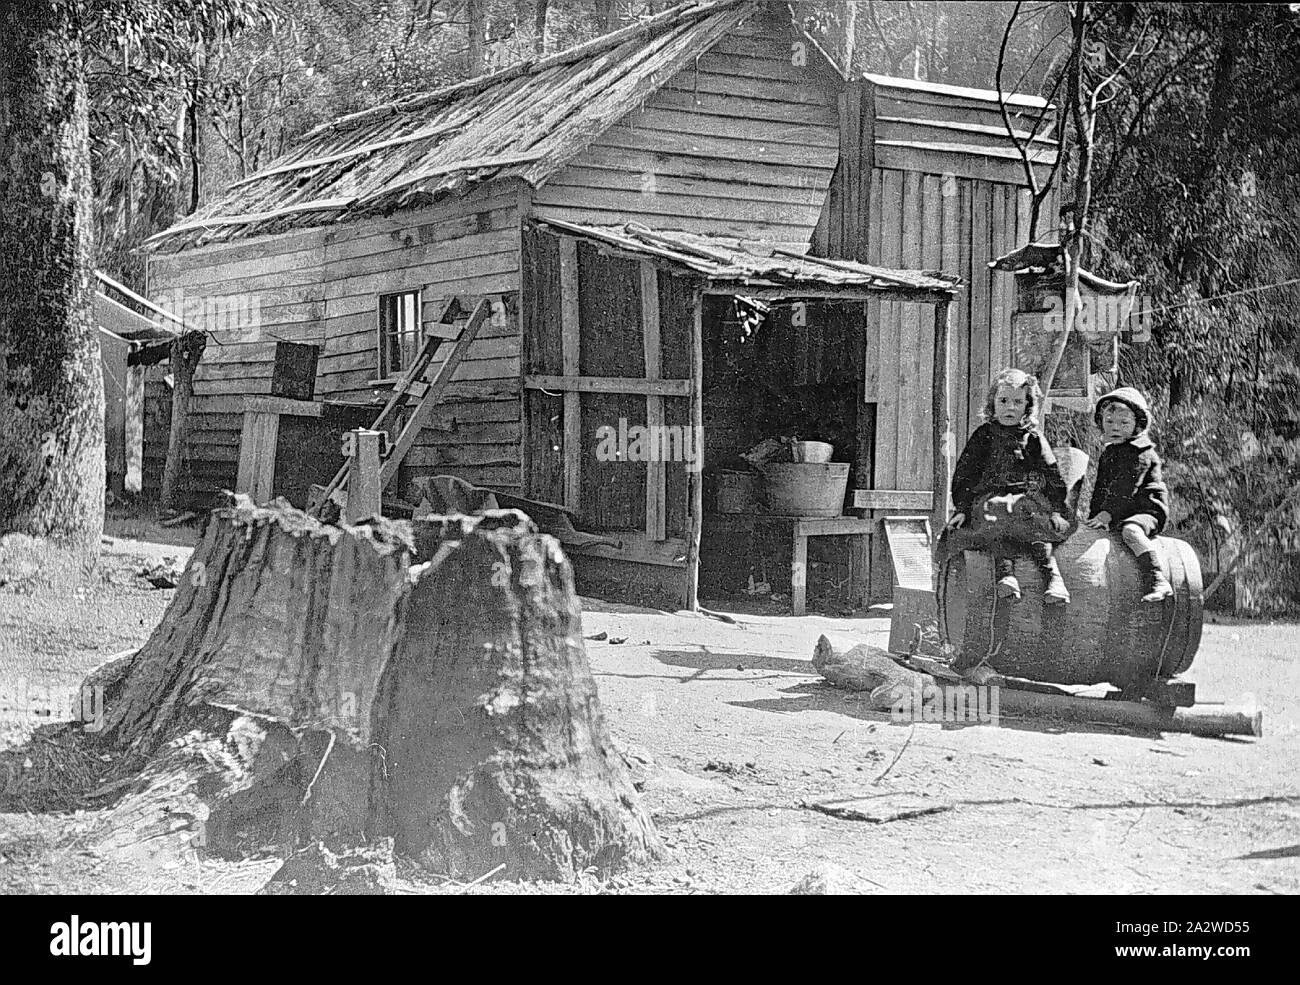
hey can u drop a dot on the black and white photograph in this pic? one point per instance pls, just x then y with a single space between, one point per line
641 447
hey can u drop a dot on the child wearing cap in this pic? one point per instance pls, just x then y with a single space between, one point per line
1007 490
1130 494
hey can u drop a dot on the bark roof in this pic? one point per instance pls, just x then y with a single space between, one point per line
526 121
739 263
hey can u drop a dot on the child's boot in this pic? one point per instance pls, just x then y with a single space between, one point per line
1007 586
1054 590
1155 585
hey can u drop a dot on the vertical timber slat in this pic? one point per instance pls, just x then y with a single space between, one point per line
572 399
696 472
943 449
656 474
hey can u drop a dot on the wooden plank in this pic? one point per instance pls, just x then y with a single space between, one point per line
943 450
257 455
892 499
931 259
656 484
980 167
911 385
695 481
837 526
999 315
962 380
891 255
608 384
949 263
871 379
569 335
980 374
283 405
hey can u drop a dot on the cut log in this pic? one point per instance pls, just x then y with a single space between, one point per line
311 683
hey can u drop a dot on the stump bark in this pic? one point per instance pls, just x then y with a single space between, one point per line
425 682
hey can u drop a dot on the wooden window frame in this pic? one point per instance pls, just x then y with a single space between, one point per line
384 333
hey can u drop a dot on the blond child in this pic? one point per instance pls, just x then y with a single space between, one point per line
1008 460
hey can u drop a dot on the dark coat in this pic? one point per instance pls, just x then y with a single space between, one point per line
1130 481
999 459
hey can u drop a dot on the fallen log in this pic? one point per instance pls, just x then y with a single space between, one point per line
1209 720
862 667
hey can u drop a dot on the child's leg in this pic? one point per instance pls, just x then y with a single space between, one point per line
1054 590
1004 573
1137 531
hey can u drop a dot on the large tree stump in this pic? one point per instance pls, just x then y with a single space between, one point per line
425 682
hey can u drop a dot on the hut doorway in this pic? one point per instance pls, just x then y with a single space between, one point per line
789 368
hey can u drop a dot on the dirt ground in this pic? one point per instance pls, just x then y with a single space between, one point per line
732 734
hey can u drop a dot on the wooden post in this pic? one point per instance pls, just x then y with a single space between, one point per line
133 481
798 572
695 476
569 335
656 476
186 352
944 438
365 490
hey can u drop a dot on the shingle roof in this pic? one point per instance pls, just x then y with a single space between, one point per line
734 262
527 121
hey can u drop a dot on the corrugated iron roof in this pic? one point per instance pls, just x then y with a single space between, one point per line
726 260
527 121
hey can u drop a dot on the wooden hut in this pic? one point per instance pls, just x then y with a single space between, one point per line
629 206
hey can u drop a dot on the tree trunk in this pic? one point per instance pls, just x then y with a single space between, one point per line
321 688
52 392
477 32
540 9
186 353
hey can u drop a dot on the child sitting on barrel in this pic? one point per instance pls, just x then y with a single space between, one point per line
1007 490
1130 494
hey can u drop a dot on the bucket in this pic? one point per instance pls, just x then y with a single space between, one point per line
805 488
818 452
734 492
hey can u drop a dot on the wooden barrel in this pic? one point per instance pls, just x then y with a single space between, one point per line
1106 633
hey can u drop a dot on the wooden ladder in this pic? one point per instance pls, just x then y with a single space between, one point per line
411 385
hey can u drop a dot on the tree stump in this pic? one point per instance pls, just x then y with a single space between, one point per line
425 682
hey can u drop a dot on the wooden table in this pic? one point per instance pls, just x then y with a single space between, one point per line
801 528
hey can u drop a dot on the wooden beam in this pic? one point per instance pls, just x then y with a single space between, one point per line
569 336
656 478
695 484
609 384
283 405
945 439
